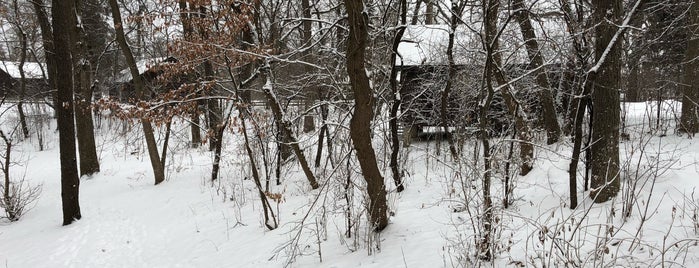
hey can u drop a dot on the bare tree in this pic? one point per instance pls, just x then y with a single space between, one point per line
63 18
395 94
89 163
548 110
690 88
360 124
18 25
490 12
606 83
515 109
156 162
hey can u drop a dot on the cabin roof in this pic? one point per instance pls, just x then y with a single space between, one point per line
32 70
427 45
143 66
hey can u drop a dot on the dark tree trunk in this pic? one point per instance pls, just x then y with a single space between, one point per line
323 130
577 123
216 167
214 110
47 42
396 101
195 128
22 80
270 219
689 119
490 9
606 83
152 146
455 14
89 163
430 14
360 124
187 31
633 85
526 147
548 110
287 136
568 85
310 92
63 20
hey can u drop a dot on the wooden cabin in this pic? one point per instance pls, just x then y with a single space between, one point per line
150 71
35 78
424 71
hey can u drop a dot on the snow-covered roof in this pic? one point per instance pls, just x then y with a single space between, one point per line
427 45
32 70
142 65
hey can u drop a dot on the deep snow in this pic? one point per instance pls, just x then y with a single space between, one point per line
187 222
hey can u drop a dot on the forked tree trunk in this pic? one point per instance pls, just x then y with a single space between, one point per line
490 9
396 101
526 147
455 14
270 219
360 124
548 110
63 19
287 135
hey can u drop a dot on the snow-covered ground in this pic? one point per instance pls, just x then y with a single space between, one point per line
188 222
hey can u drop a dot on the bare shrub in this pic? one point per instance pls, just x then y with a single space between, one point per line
18 198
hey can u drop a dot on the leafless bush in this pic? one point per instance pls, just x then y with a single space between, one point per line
18 198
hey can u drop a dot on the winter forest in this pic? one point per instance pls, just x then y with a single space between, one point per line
345 133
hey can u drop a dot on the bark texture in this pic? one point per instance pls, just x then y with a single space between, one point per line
548 110
360 124
526 147
62 18
396 101
690 87
606 83
156 162
89 162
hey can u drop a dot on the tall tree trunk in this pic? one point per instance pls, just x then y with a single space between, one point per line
152 146
689 119
213 108
270 219
490 9
360 124
187 31
451 76
577 129
47 42
287 134
396 101
310 90
606 83
22 80
63 20
548 110
526 148
430 14
89 163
